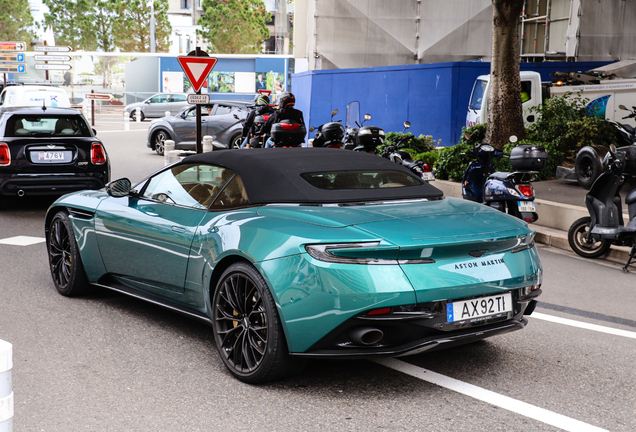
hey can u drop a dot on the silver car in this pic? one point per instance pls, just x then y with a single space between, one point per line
157 105
220 122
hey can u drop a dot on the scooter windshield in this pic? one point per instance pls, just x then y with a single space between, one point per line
353 115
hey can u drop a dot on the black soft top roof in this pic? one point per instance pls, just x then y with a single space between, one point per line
274 175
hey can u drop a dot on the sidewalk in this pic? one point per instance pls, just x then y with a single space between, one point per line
555 216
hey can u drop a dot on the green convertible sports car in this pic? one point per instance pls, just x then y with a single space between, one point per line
300 253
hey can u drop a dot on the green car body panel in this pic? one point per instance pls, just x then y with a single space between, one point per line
172 252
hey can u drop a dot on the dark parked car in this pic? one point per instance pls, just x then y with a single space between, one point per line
300 253
49 151
181 127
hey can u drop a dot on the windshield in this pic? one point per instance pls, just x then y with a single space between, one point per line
53 125
368 179
353 115
477 96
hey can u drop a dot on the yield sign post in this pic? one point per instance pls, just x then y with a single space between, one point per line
197 66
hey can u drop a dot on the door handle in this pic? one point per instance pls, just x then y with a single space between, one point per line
178 229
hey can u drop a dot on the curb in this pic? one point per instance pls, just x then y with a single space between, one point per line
555 218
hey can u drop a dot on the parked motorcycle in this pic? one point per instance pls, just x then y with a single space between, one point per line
329 134
402 157
357 136
591 237
509 192
589 160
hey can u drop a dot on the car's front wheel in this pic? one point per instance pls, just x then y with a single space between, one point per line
159 141
66 265
247 329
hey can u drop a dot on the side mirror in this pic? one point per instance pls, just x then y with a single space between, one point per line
184 114
147 101
623 107
311 129
94 132
513 138
612 148
467 136
236 117
407 125
118 188
367 117
334 112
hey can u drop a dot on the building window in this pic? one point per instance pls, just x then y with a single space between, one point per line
185 4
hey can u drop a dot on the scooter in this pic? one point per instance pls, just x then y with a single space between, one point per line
510 192
591 237
257 139
357 136
329 134
402 157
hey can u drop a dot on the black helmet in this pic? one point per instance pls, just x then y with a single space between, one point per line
262 100
286 99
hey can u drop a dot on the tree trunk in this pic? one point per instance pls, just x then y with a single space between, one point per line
505 117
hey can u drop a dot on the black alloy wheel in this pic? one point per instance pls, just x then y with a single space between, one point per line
247 329
133 115
583 244
588 166
159 140
64 259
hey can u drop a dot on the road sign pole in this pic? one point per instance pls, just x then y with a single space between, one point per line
199 144
92 109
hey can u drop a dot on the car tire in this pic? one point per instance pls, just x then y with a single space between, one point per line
247 329
65 262
236 141
159 141
133 115
577 238
589 165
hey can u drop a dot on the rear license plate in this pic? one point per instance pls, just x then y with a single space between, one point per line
479 307
51 156
428 176
526 206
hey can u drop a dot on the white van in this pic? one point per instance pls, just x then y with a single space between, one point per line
29 95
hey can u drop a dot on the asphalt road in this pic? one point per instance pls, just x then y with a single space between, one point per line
108 362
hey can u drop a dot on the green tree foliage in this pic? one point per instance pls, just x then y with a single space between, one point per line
16 21
234 26
408 141
132 28
108 24
452 161
71 23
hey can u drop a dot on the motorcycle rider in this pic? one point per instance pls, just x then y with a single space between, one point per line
285 111
262 107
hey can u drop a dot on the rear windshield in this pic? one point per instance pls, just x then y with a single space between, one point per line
361 179
46 125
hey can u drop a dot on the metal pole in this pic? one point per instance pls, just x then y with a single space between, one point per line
92 109
152 26
199 145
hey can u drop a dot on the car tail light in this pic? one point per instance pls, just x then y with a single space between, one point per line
5 155
98 155
526 190
380 311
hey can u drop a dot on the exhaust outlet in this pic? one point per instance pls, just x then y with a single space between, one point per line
366 336
20 193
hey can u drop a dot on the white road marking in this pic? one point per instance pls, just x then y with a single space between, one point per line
22 240
584 325
490 397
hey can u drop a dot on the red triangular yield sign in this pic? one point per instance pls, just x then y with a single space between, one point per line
265 92
197 69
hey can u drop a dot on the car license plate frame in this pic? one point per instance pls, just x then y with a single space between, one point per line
526 206
479 308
